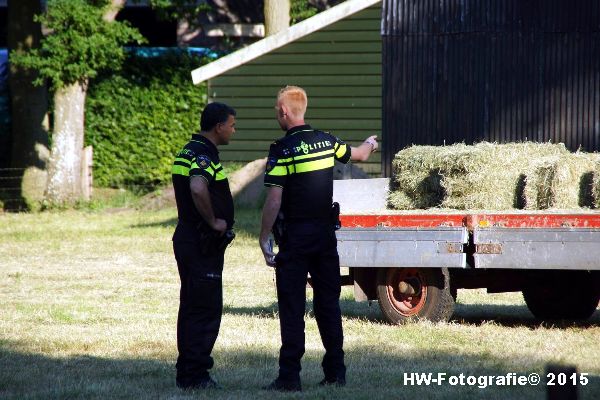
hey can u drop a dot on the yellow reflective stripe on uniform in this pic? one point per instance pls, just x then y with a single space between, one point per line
341 151
280 170
180 170
220 175
284 160
316 165
207 169
218 171
313 155
184 160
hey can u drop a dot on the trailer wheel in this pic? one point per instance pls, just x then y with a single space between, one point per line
569 296
408 294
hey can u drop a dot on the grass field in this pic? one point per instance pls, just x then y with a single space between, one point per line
88 305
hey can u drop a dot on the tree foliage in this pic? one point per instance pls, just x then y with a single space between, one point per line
138 118
179 9
80 45
301 10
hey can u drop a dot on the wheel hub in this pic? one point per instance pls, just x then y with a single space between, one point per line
406 290
409 287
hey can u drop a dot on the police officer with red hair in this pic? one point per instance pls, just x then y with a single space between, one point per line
299 178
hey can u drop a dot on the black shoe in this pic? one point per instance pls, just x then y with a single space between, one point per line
281 385
205 383
339 381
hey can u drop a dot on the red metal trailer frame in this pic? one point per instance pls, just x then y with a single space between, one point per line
413 262
472 220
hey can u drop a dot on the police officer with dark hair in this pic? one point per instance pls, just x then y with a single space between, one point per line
204 229
299 177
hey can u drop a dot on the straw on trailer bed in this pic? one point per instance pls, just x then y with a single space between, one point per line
596 184
564 181
483 176
416 182
540 182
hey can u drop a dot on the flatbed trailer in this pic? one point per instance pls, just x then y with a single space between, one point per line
413 263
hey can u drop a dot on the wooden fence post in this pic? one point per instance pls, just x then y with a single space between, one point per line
87 156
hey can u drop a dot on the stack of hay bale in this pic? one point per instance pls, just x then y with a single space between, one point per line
494 176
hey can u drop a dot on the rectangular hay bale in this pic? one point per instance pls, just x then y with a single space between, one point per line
482 176
563 182
596 184
540 182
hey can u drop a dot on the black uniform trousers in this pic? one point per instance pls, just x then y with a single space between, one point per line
200 310
309 247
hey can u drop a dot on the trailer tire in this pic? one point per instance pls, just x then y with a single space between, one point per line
433 300
569 296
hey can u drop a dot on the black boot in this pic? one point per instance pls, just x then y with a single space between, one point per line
203 383
284 385
337 381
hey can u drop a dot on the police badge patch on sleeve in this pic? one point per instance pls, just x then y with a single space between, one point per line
271 162
202 161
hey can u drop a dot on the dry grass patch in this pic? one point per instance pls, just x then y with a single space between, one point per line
89 304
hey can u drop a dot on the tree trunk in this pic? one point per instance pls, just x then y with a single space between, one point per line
64 169
113 9
277 16
29 104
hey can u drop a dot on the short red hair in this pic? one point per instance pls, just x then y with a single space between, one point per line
295 99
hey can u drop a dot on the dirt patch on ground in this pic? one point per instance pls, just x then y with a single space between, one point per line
164 198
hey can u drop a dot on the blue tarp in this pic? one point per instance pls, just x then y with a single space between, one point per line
3 69
4 99
159 51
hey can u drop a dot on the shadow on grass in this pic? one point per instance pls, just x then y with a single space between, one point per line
510 316
504 315
513 316
24 375
350 310
372 374
167 223
247 221
364 311
268 311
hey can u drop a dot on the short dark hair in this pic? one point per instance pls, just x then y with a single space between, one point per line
213 114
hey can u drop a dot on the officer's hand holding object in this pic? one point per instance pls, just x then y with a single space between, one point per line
373 142
219 225
266 245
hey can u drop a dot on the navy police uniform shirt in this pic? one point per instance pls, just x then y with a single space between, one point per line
302 164
199 157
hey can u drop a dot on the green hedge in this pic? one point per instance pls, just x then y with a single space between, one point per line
137 119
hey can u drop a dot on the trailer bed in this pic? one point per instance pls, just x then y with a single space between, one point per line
413 262
490 240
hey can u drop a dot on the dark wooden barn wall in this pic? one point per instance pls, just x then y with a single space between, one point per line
497 70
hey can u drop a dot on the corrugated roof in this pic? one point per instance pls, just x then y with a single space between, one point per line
280 39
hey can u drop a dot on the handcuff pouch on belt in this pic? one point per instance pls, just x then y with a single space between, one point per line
211 242
279 229
279 225
335 215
